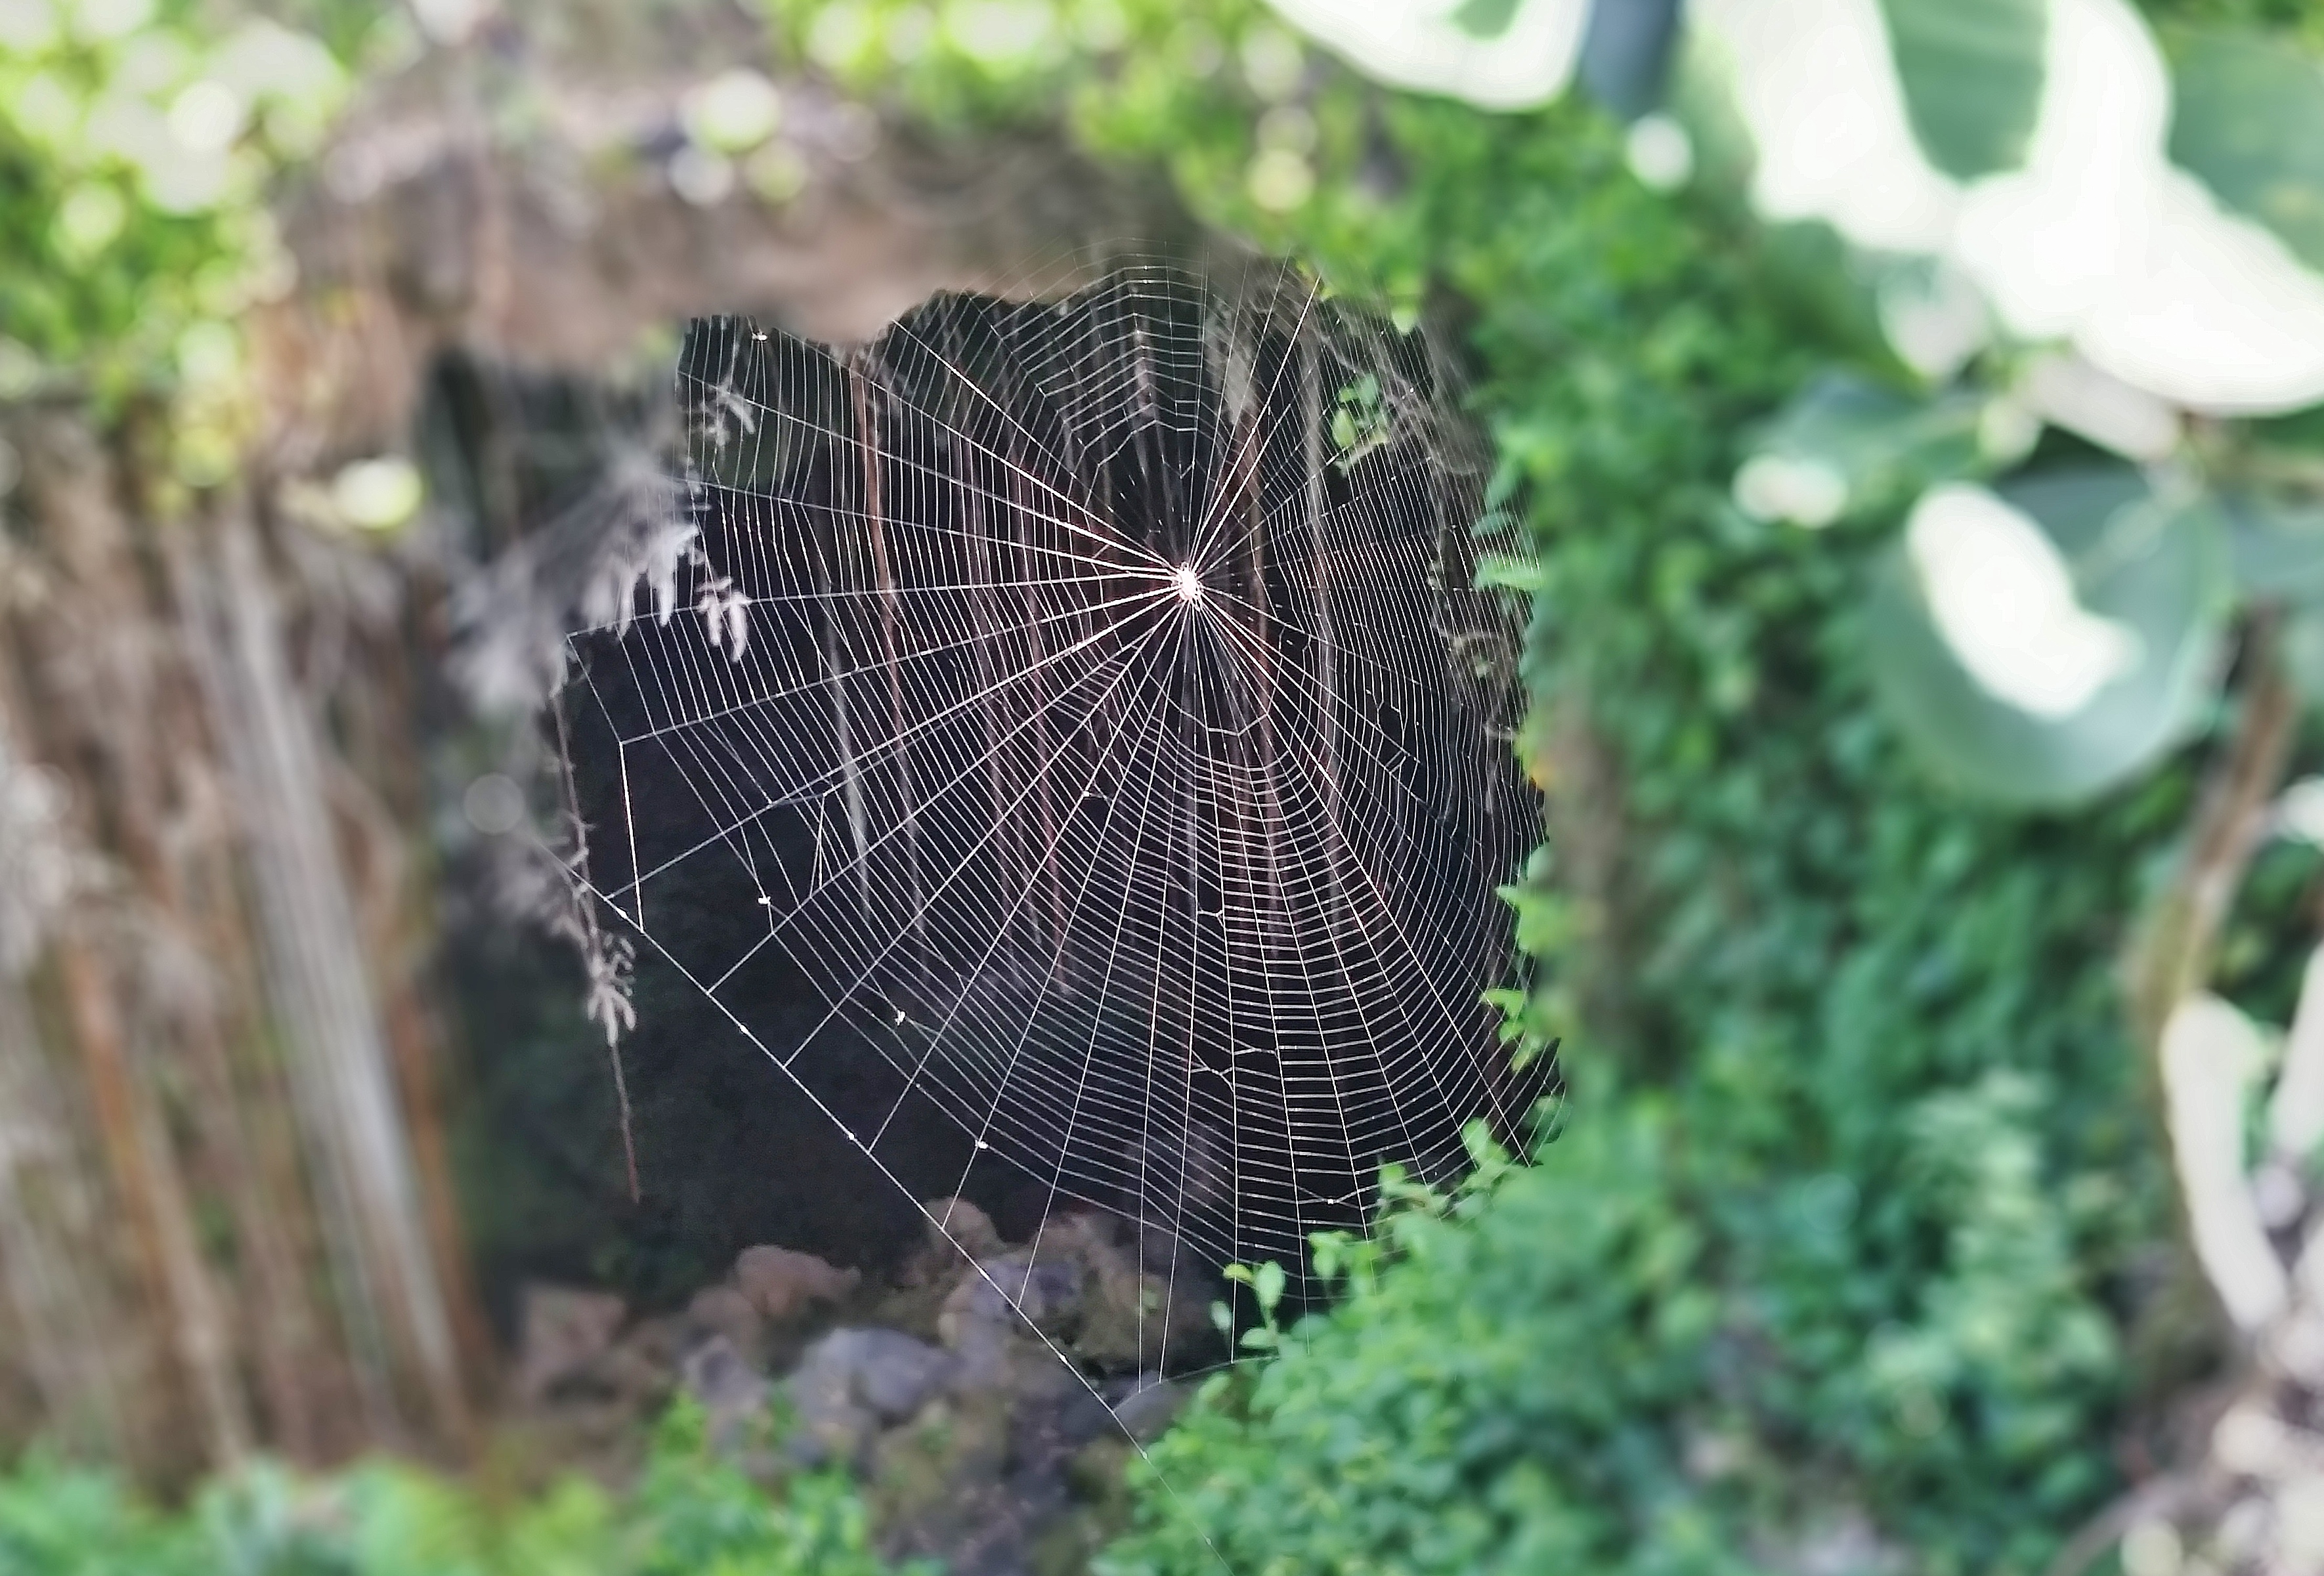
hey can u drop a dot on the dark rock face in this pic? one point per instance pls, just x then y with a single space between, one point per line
987 1396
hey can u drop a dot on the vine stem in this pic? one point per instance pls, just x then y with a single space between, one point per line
2179 938
2176 947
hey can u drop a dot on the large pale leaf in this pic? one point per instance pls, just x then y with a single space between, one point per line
1972 75
1814 83
2153 572
2248 119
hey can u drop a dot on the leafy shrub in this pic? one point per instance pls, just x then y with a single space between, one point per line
1650 1354
691 1514
137 143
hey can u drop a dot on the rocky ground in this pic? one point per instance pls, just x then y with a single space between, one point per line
987 1394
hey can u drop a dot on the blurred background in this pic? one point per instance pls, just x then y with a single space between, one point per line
1916 411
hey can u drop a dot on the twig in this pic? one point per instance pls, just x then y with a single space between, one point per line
2155 1498
2176 947
2180 937
608 997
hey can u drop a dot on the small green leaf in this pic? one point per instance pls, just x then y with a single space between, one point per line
1532 1048
1485 1151
1507 572
1268 1285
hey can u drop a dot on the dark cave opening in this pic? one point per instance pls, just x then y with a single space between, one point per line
761 1074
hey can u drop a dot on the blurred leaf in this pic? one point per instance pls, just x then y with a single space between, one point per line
1972 74
2157 570
2277 548
1824 288
1497 54
1626 51
2248 118
1880 445
1485 18
2303 651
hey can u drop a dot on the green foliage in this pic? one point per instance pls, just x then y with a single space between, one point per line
1880 447
1651 1354
1545 1376
691 1514
1500 1398
138 139
60 1521
1979 694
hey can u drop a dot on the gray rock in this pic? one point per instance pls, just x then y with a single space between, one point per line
561 1331
1000 1307
1009 1291
723 1309
832 1424
895 1375
958 1232
852 1381
732 1392
1151 1407
782 1284
959 1225
1132 1316
643 1367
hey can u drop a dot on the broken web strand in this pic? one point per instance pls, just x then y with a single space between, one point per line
1256 736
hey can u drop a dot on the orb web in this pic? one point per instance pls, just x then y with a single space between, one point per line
1087 706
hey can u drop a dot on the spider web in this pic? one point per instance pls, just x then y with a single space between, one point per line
1085 705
